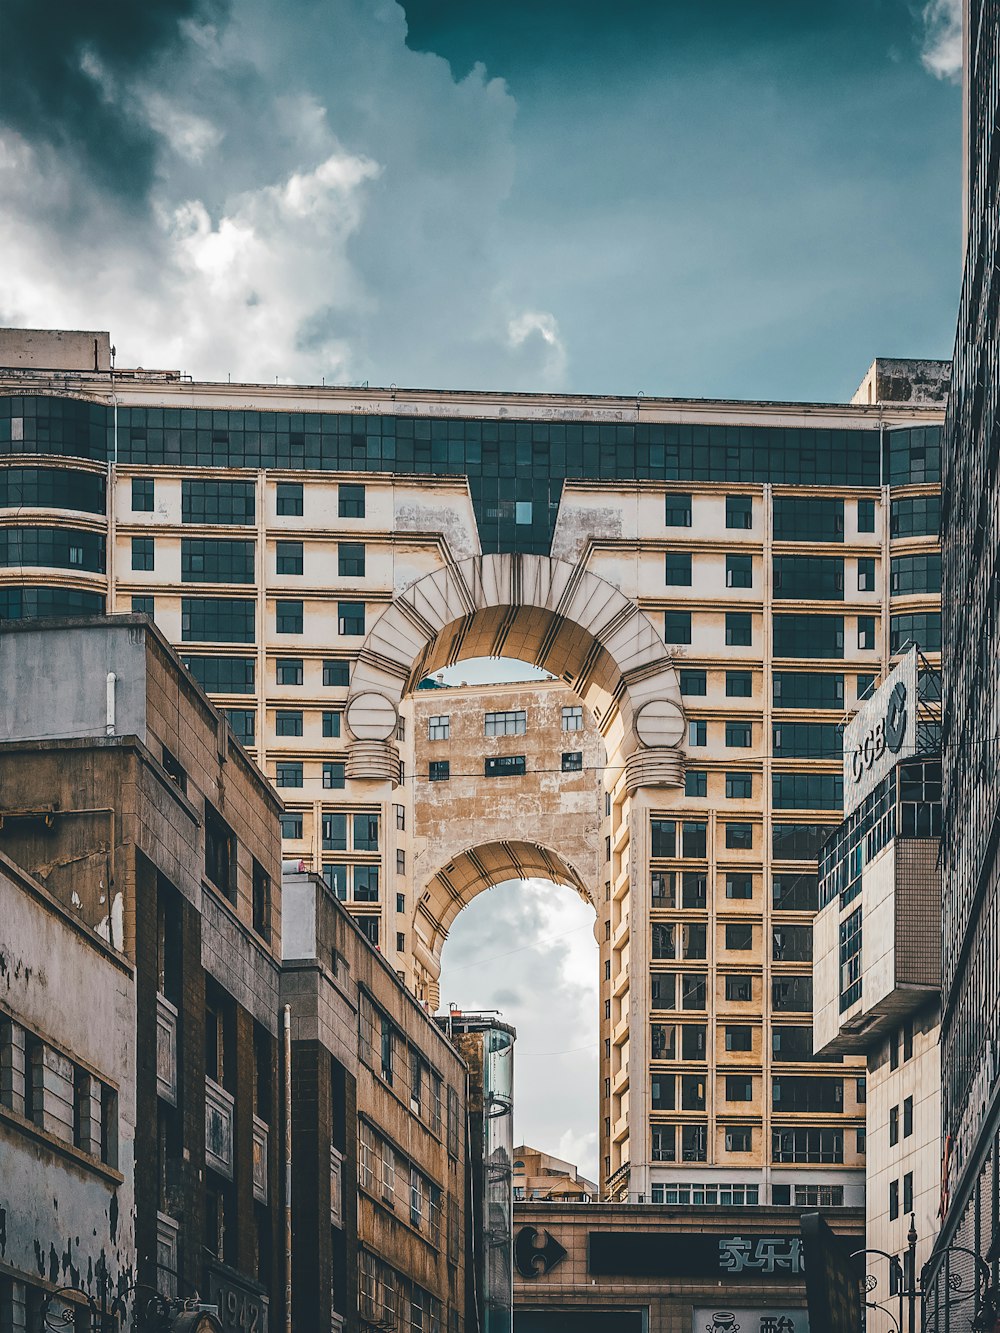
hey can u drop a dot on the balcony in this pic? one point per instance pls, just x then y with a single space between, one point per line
260 1157
166 1050
219 1128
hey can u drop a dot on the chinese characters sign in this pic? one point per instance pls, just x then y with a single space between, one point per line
765 1254
665 1254
708 1319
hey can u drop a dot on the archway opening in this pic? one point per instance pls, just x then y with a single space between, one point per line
526 948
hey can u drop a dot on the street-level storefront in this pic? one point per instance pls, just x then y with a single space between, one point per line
650 1268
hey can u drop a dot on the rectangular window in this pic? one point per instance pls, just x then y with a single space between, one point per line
695 783
805 689
739 886
693 991
662 990
694 887
791 944
799 518
795 892
694 840
572 718
221 502
739 511
916 517
351 560
893 1126
808 636
336 879
915 574
366 884
893 1199
336 673
739 629
289 498
866 515
334 832
739 1088
216 560
697 733
504 766
807 740
798 842
244 724
907 1117
739 571
514 722
218 619
331 724
365 832
694 683
664 1143
261 901
288 617
738 735
865 684
439 727
908 1192
220 852
808 1145
662 1092
739 990
288 775
288 723
739 1038
739 837
807 791
677 627
142 495
866 631
291 826
288 558
739 684
142 553
222 675
694 1143
351 618
400 870
922 628
289 671
692 1092
693 1041
678 511
572 761
739 786
142 606
739 1138
866 576
677 572
739 936
334 775
369 928
812 578
350 500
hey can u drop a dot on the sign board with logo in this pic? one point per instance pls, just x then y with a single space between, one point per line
673 1254
767 1319
883 731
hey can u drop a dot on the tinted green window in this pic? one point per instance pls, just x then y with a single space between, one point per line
802 518
32 603
351 618
798 842
694 682
809 577
695 783
288 723
142 606
216 560
55 548
693 839
916 516
923 629
222 675
807 740
807 791
142 553
217 619
913 455
51 488
678 569
288 558
795 892
217 502
288 671
739 685
289 498
334 775
739 629
806 689
808 636
142 495
866 515
739 571
350 560
336 672
663 834
677 627
915 573
678 511
738 735
739 511
244 724
288 617
350 500
739 836
739 786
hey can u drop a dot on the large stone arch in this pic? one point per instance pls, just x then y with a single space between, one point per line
548 612
471 872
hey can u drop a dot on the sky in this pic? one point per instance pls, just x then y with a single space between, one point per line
713 199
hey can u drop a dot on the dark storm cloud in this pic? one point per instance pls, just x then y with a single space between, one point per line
57 59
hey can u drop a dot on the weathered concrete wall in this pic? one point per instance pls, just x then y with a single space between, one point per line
54 349
63 1211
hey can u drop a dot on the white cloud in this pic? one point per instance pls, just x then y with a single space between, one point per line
326 202
942 46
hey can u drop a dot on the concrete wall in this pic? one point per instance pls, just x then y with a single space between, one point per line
54 349
63 1210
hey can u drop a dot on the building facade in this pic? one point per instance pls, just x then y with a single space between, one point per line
970 1022
379 1108
67 1107
539 1175
876 954
615 1268
714 582
127 795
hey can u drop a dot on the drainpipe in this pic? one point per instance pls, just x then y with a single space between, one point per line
110 718
288 1166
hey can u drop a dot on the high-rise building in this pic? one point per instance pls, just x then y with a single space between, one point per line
713 582
970 1021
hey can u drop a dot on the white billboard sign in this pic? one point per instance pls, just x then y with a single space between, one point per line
766 1319
883 731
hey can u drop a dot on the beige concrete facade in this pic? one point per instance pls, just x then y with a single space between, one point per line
540 1176
329 695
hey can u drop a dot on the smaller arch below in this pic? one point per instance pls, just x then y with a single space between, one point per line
467 875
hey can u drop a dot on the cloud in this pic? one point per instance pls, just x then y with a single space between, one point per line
942 45
233 193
